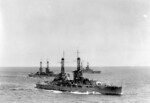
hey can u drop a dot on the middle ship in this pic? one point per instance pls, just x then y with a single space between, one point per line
78 83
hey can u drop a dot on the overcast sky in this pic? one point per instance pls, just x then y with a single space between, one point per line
106 32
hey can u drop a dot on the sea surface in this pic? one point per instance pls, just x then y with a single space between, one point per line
17 87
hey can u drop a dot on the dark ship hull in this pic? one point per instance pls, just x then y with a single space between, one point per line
107 90
93 72
40 75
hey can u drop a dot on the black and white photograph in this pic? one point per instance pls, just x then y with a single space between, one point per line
74 51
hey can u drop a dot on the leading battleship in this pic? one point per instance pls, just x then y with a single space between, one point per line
78 83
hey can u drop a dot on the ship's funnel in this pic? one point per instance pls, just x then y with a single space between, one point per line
81 65
62 66
88 64
78 63
40 69
47 64
47 69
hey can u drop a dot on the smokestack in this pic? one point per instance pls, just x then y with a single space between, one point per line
88 64
78 61
81 65
40 69
62 66
47 69
48 64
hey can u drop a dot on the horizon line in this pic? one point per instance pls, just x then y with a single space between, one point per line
73 66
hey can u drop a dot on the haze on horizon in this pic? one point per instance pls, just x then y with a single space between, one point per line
106 32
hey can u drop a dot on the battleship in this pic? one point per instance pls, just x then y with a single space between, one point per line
41 73
88 70
62 82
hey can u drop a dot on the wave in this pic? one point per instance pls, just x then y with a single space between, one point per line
54 91
22 88
10 76
73 92
15 89
15 86
77 92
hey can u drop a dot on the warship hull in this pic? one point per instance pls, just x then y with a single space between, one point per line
91 72
40 76
107 90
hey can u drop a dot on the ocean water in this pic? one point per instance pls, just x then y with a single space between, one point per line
17 87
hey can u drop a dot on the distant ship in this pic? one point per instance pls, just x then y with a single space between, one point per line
62 82
88 70
40 73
